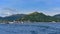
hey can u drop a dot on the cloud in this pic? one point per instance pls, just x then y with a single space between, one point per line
8 11
9 7
52 11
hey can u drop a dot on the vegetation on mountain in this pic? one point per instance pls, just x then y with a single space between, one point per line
57 16
11 18
32 17
39 17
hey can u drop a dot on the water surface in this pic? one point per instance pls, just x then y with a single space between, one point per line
30 28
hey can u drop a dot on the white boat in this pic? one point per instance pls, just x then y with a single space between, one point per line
53 22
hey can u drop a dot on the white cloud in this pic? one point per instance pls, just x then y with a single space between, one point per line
7 12
10 11
52 11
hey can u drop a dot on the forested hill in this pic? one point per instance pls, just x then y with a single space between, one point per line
33 17
57 16
39 17
12 17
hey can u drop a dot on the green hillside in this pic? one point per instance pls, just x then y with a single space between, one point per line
39 17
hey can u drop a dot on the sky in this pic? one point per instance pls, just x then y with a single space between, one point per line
10 7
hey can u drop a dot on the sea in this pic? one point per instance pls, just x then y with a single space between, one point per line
31 28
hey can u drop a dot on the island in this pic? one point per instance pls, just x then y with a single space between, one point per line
32 17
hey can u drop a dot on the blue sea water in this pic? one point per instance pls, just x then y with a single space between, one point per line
30 28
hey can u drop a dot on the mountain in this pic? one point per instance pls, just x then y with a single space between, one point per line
38 17
12 17
57 16
33 17
1 18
